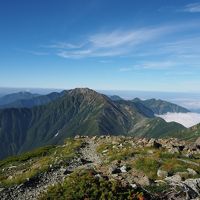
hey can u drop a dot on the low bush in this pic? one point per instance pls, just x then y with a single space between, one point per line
82 185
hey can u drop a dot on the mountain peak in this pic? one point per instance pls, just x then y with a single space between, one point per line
83 90
87 94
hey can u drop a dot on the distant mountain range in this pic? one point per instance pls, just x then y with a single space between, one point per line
48 119
160 107
29 102
10 98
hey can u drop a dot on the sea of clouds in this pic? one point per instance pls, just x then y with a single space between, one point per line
186 119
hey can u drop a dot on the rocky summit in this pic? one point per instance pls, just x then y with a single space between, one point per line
104 167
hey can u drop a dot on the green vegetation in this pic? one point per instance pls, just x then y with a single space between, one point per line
78 111
40 152
190 134
116 153
157 189
147 165
26 166
148 159
84 184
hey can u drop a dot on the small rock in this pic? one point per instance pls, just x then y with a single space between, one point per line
12 167
77 137
133 185
175 178
105 151
197 143
173 150
94 138
114 169
67 172
162 173
183 175
144 181
181 147
157 145
123 169
150 152
194 184
191 171
10 177
97 176
189 155
150 143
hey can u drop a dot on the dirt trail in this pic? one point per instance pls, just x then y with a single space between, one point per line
88 157
89 153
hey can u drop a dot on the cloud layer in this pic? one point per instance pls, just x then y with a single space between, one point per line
186 119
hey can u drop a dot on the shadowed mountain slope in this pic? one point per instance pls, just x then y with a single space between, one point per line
80 111
10 98
160 107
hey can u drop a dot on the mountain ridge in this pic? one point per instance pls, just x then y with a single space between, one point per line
79 111
160 107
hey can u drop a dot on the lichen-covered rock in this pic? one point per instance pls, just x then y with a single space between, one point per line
191 171
175 178
162 173
197 143
194 184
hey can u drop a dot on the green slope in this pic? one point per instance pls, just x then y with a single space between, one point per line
78 111
187 134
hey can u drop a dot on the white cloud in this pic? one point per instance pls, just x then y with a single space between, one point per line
186 119
113 43
131 37
130 42
86 53
190 103
157 65
192 8
63 45
125 69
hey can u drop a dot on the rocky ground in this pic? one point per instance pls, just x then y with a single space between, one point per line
163 168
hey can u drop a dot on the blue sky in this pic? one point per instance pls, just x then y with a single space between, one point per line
102 44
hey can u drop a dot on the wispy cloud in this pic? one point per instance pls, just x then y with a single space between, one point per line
108 44
157 65
192 7
151 65
90 52
63 45
132 43
126 69
105 61
129 38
